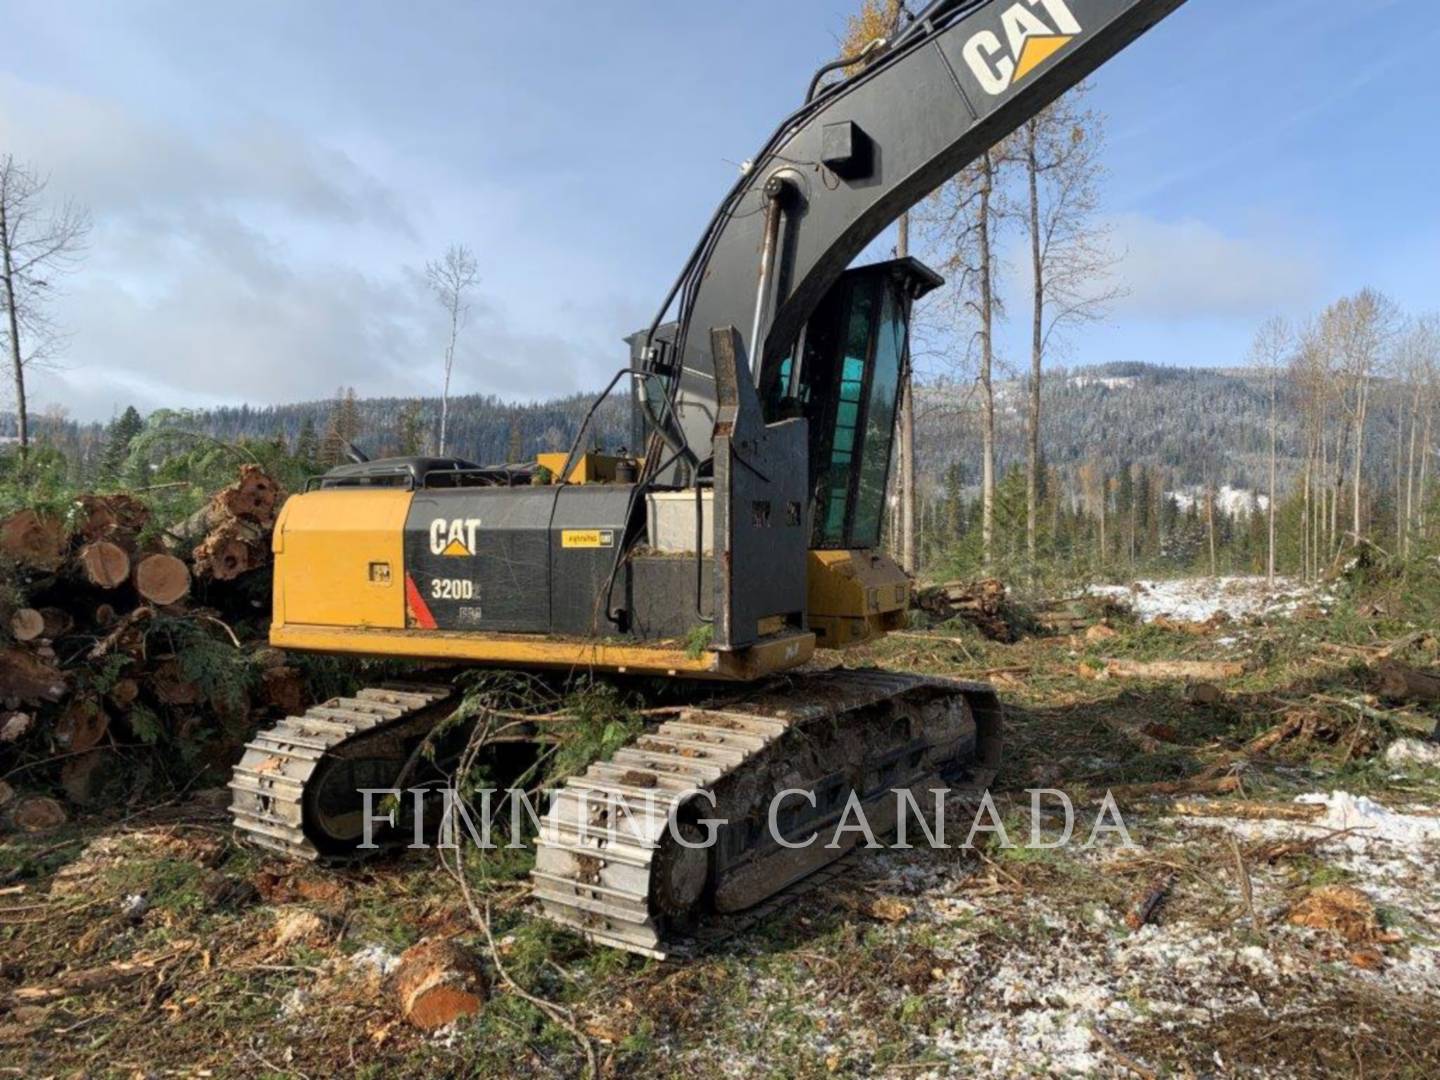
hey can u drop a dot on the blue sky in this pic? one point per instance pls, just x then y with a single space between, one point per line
267 178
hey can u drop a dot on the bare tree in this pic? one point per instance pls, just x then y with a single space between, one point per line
1095 490
451 279
1270 352
1069 261
36 244
1360 329
1418 358
964 218
1315 380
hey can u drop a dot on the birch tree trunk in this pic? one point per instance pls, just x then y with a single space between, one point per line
17 363
1410 469
987 358
1364 404
1305 523
1037 347
1274 449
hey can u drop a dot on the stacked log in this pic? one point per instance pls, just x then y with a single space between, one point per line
1081 613
231 534
162 579
98 621
982 604
34 540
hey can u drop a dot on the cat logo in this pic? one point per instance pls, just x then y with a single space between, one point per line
454 539
1030 40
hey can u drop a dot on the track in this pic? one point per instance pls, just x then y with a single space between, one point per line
608 865
607 862
278 789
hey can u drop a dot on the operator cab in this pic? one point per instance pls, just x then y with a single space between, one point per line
852 351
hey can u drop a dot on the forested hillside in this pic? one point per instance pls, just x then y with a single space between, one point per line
1200 424
482 428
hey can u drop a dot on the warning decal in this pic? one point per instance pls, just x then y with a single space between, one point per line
587 538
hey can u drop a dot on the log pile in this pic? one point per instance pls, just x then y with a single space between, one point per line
982 604
104 615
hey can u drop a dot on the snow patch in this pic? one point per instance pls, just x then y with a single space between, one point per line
1201 599
1346 811
375 958
1110 382
1232 502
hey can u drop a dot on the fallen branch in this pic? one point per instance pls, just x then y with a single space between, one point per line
1196 670
1399 682
1122 1058
1255 811
1247 892
1267 741
1201 785
77 982
1421 725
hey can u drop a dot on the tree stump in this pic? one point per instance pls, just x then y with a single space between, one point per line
438 982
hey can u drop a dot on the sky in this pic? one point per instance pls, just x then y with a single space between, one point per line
267 180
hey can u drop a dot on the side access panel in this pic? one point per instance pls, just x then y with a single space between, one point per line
339 559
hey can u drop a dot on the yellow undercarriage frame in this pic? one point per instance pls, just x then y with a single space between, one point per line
855 597
339 588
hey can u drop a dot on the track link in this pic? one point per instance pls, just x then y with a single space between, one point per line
269 786
603 852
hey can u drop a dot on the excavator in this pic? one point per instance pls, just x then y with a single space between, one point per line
742 535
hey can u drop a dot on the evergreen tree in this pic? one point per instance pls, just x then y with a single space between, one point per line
307 445
118 437
412 431
343 429
516 453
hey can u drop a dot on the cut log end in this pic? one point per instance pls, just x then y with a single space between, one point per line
82 725
105 565
35 813
162 579
34 540
27 624
110 517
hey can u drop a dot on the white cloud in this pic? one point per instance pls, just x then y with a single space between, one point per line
1193 270
252 264
119 163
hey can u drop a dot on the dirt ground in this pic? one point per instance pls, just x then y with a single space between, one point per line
154 945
